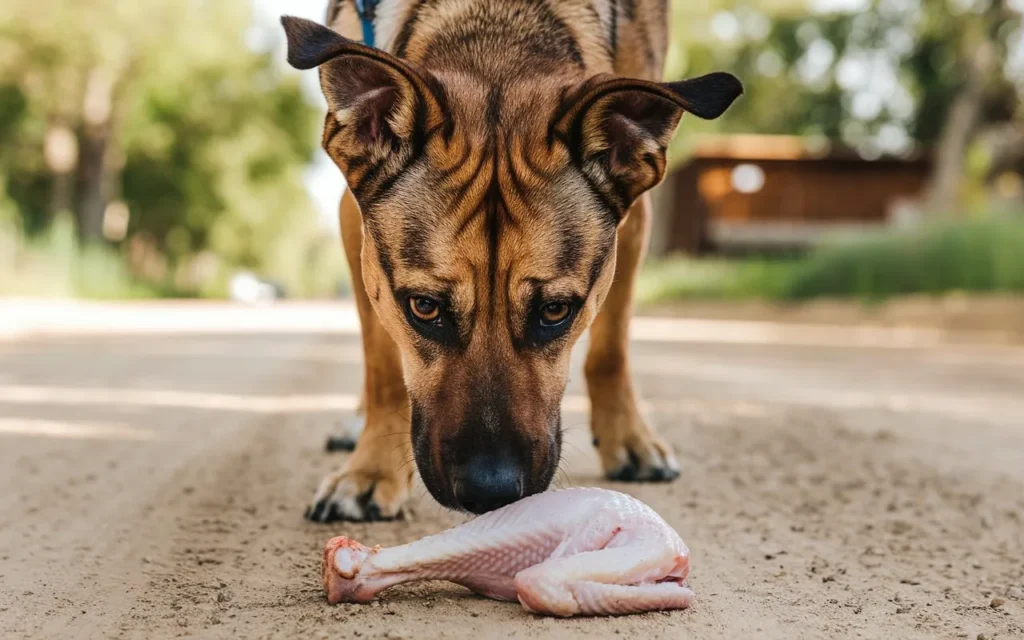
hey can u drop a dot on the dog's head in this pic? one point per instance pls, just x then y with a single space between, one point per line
490 211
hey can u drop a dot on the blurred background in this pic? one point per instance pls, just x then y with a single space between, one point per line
163 148
830 338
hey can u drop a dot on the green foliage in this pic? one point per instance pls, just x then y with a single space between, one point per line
879 77
206 142
984 255
979 255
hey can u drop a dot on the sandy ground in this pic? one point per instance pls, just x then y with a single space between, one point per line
960 317
154 472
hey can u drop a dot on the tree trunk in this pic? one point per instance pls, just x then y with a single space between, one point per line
92 196
944 192
945 187
94 142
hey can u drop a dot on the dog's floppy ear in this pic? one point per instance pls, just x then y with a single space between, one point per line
620 128
379 103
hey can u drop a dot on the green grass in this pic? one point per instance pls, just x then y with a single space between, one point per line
983 255
682 278
56 265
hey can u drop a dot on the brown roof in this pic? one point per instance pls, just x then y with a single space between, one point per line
777 147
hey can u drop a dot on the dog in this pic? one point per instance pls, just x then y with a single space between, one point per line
497 154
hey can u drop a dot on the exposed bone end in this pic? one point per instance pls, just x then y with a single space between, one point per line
343 557
681 569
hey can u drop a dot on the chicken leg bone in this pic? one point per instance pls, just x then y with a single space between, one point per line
562 553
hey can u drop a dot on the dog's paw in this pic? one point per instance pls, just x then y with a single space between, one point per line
353 495
643 461
631 451
348 437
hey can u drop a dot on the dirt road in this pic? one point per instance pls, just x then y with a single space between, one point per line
154 467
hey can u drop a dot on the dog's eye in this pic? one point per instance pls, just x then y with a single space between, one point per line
554 314
424 309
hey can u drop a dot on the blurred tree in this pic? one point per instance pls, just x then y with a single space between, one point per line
156 124
883 76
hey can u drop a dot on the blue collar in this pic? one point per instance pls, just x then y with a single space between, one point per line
367 10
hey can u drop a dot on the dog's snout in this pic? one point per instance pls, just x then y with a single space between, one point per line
487 483
476 454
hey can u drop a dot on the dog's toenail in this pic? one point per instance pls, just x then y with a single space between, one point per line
626 473
333 514
340 443
318 510
373 513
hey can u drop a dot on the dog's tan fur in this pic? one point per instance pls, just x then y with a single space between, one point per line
497 153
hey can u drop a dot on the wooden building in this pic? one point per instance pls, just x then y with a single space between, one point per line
764 192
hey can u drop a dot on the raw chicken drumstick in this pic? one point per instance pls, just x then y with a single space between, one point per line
563 553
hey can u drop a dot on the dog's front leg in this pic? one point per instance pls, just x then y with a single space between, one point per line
374 483
629 448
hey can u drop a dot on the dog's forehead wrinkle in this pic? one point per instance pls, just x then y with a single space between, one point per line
491 210
525 103
528 258
560 286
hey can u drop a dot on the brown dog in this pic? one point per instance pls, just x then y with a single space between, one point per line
497 153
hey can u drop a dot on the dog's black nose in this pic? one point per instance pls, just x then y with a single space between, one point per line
487 483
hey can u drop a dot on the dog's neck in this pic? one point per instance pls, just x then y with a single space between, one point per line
499 40
503 59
